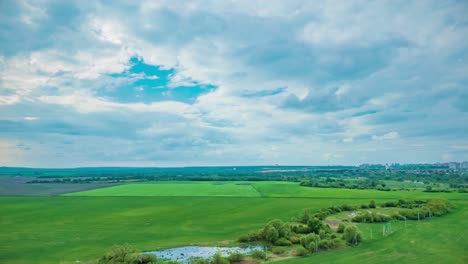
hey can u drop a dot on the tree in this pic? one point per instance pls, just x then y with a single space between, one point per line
271 234
341 228
372 204
351 235
314 225
311 242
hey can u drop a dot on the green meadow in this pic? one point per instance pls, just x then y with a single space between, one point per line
81 226
439 240
176 189
254 189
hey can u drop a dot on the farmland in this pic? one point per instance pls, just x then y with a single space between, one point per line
80 226
254 189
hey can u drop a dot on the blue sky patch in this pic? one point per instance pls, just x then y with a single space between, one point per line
150 83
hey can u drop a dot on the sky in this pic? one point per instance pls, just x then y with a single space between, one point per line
197 83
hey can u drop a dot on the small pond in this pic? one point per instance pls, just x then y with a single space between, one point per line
183 254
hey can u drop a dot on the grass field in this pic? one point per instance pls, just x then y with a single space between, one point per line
440 240
254 189
238 189
66 229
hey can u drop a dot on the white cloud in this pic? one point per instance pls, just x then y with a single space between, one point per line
374 71
389 135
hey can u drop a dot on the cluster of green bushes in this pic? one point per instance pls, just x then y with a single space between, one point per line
126 254
436 207
412 210
309 231
325 212
344 183
217 258
402 203
371 217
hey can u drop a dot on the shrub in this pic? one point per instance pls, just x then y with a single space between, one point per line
335 209
218 259
346 207
351 235
126 254
372 204
325 244
341 228
301 229
138 258
301 251
310 242
323 234
198 260
371 218
389 204
250 237
258 254
279 250
271 234
438 207
283 242
295 239
314 225
236 257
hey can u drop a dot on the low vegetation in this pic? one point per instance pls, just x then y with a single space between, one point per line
71 229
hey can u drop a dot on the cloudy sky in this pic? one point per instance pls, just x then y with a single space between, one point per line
181 83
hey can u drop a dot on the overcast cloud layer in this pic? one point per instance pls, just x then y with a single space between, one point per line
177 83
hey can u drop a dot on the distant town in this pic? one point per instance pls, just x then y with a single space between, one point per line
447 166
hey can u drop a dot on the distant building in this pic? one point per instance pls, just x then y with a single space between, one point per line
464 165
454 165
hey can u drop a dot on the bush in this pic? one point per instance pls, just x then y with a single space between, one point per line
301 229
279 250
198 260
315 225
389 204
335 209
236 257
295 239
351 235
283 242
371 218
372 204
310 242
325 244
301 251
218 259
126 254
346 207
258 254
438 207
250 237
341 228
138 258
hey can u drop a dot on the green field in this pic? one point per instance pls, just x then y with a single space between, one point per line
66 229
440 240
236 189
254 189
